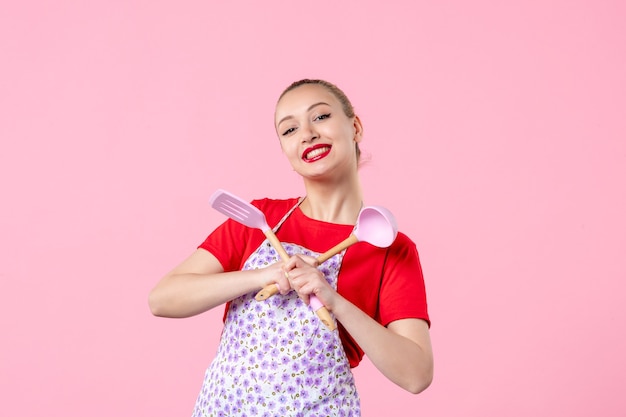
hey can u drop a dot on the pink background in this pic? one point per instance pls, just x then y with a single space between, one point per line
496 134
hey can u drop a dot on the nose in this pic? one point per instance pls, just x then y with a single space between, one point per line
308 133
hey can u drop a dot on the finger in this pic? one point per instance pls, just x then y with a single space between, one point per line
291 263
293 278
283 282
310 260
306 299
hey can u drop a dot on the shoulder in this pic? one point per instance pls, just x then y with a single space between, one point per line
403 256
403 239
403 243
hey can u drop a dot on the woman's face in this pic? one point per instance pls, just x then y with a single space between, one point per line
315 134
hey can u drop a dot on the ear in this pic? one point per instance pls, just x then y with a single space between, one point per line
358 129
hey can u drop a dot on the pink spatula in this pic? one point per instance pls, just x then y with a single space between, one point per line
248 215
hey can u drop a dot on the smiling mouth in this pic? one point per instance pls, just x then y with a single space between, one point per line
316 153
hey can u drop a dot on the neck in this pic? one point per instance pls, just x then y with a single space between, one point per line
333 203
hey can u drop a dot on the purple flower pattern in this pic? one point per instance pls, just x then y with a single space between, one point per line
276 358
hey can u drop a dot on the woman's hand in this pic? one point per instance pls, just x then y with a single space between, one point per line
274 274
303 276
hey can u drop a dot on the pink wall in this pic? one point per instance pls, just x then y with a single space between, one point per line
496 133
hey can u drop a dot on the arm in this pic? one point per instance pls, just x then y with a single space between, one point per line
401 351
199 283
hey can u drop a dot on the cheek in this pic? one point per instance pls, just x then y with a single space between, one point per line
347 134
345 130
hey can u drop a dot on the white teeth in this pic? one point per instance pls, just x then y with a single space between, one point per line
316 152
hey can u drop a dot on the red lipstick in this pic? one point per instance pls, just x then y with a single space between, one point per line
315 153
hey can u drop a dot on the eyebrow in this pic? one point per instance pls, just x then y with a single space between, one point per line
312 106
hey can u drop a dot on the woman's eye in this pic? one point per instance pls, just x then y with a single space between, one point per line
323 116
288 131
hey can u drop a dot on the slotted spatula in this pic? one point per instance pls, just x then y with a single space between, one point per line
248 215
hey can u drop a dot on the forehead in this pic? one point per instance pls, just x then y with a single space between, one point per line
301 98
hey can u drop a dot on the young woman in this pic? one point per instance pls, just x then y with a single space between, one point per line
275 356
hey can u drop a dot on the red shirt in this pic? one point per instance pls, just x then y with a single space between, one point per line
386 283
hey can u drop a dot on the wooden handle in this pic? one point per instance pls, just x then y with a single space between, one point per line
276 244
349 241
272 289
266 292
325 317
322 312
